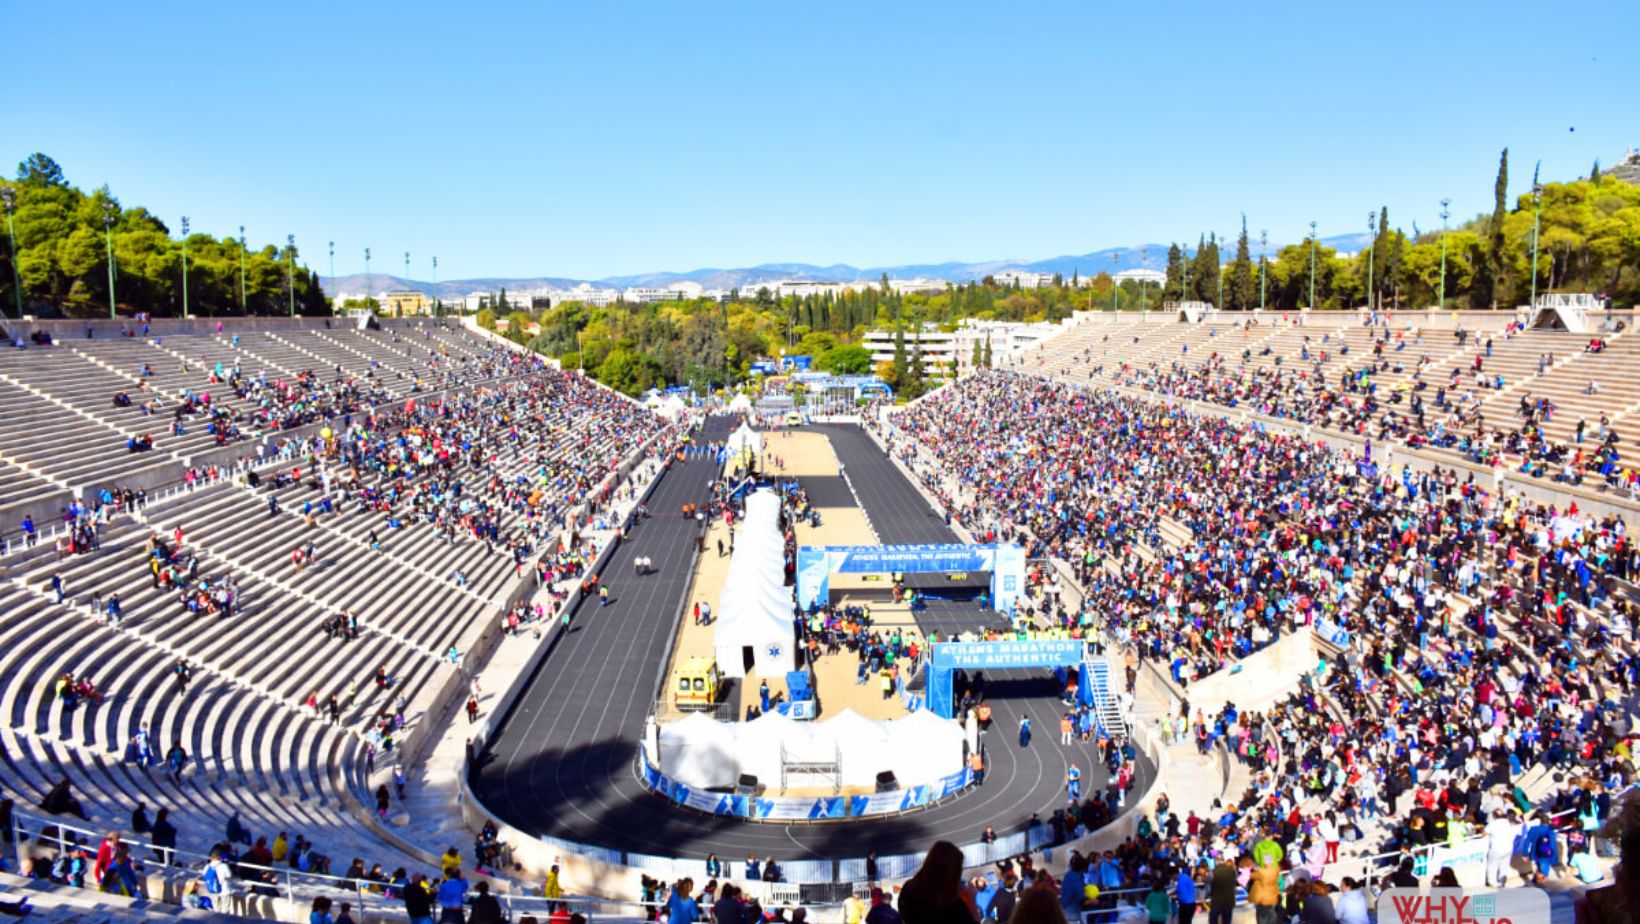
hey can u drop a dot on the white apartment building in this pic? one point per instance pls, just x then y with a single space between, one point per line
1025 279
938 348
585 293
1007 338
682 290
1145 276
918 285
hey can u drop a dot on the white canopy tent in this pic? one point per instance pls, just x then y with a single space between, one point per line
739 404
698 751
862 745
754 615
923 748
758 744
745 438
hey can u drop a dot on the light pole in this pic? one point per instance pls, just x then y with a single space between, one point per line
1263 262
1444 204
1537 213
1372 238
436 305
333 305
1115 287
108 216
185 267
1144 263
1184 283
290 270
1312 266
8 197
243 300
369 282
1218 268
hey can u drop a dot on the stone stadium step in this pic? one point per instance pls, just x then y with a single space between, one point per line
63 443
86 383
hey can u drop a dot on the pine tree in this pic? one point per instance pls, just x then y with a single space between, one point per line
1243 289
1076 272
978 357
1594 175
987 352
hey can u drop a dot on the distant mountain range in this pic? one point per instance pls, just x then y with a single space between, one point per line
1149 256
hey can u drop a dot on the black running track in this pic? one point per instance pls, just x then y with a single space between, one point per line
562 761
901 515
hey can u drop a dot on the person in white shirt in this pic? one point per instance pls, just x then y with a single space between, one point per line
1501 832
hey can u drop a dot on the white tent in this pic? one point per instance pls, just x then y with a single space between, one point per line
758 744
924 748
745 438
698 751
754 613
739 404
862 744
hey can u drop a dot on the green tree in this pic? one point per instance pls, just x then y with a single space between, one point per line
851 359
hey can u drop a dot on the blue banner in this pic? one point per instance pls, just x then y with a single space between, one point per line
877 559
1005 563
1062 652
1332 632
946 657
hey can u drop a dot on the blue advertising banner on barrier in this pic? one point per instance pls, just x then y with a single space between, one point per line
1005 563
1332 632
835 807
804 808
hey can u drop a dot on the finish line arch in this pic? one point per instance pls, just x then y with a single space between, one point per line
1005 561
946 658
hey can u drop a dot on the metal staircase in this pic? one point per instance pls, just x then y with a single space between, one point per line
1107 707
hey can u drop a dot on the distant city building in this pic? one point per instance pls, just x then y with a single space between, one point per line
587 294
683 290
1005 337
405 303
918 285
938 348
1025 279
1144 276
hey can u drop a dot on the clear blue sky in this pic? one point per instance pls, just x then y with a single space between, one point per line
603 138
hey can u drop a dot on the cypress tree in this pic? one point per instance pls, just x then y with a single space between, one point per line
1487 291
1243 289
1173 285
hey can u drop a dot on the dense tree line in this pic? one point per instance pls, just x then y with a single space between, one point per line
61 249
1588 241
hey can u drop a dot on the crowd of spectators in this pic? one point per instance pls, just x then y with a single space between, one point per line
1392 390
1477 635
